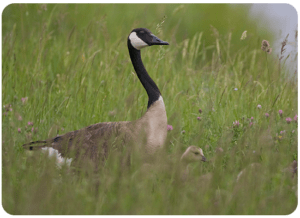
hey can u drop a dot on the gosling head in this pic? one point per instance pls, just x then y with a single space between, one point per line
193 154
141 37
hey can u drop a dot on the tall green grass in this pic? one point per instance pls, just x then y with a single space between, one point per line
72 63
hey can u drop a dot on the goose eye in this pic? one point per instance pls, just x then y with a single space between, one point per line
196 153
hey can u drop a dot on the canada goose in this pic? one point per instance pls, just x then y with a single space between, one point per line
148 132
192 154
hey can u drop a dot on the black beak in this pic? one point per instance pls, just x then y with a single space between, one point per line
157 41
203 159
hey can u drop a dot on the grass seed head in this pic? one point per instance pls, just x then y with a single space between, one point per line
265 46
244 35
283 44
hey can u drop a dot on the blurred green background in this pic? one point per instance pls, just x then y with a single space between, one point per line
112 20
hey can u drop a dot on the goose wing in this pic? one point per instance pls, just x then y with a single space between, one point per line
93 141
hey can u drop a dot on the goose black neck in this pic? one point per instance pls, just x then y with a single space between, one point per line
149 85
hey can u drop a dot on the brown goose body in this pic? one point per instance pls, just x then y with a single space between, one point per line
148 133
88 142
95 141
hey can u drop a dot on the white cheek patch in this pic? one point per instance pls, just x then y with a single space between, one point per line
136 42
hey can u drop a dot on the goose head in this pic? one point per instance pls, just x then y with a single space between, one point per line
141 37
192 154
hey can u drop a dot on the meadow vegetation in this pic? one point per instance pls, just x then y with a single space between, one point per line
65 67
